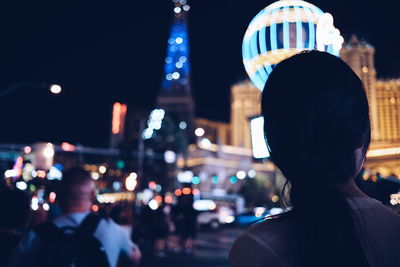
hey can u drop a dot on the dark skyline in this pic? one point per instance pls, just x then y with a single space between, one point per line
102 52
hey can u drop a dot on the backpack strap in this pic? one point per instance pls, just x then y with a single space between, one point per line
89 224
47 231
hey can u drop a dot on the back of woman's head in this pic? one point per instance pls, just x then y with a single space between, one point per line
316 116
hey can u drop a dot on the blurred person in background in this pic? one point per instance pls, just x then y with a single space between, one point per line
161 230
144 229
151 229
116 214
77 237
15 208
185 219
317 128
172 238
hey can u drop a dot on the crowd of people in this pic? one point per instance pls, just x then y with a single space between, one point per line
77 237
70 232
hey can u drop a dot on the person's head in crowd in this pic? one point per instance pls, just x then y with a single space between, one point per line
76 191
318 131
15 209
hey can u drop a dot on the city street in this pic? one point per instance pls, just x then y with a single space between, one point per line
151 135
212 248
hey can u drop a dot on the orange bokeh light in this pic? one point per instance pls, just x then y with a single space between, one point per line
41 174
152 185
168 199
186 191
158 199
178 192
95 208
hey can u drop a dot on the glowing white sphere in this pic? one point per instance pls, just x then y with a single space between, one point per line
130 182
46 206
21 185
55 89
169 156
251 173
153 204
95 176
199 132
102 169
241 175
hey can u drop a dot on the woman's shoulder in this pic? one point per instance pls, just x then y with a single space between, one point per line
275 240
373 211
269 225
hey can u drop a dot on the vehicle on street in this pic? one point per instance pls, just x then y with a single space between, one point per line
212 216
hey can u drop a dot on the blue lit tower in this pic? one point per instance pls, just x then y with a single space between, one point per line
175 96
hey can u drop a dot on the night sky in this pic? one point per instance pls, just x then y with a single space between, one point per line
106 51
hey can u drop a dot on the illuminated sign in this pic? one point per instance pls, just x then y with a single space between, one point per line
260 149
118 119
282 30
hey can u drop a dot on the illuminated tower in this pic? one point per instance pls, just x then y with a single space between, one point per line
175 96
245 103
359 55
388 100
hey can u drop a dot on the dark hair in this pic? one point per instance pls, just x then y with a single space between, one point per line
316 114
72 178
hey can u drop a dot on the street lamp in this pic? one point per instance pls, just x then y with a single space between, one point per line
54 88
